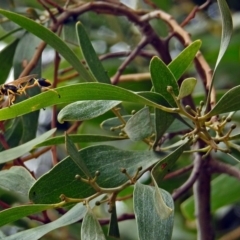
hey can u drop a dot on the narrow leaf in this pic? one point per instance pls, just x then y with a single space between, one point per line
157 174
16 152
167 163
180 64
106 159
113 226
176 126
90 55
12 214
227 28
91 228
229 102
10 33
50 38
77 92
13 133
139 126
73 215
6 59
16 179
78 138
187 87
84 110
73 152
162 77
150 224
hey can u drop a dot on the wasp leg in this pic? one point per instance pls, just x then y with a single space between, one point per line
50 89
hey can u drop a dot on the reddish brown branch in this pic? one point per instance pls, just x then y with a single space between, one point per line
193 13
123 217
178 172
191 180
220 167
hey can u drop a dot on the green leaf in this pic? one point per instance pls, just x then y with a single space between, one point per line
162 77
187 87
139 126
113 226
91 228
229 102
73 153
157 174
224 191
107 160
150 224
16 152
90 55
78 138
13 133
76 92
180 64
24 52
75 214
69 32
163 121
10 33
167 163
16 179
50 38
12 214
176 126
6 59
84 110
227 28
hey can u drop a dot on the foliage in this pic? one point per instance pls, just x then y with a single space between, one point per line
152 121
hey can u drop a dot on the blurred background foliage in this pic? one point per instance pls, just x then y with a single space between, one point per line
109 33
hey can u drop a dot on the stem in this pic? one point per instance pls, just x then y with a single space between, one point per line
202 192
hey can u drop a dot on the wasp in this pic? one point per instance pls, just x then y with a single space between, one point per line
20 85
16 87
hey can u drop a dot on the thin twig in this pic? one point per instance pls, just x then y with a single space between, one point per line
143 53
123 217
130 57
36 154
192 14
178 172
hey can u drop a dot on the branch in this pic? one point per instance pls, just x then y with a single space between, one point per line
119 9
194 11
178 172
220 167
202 197
191 180
132 55
123 217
